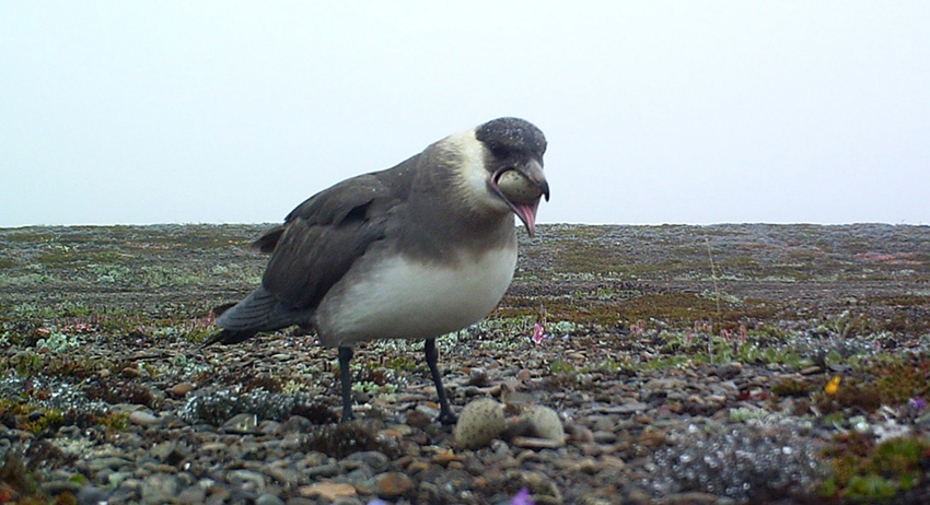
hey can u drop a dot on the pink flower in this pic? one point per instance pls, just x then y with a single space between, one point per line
538 335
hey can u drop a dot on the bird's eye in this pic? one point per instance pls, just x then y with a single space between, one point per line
499 152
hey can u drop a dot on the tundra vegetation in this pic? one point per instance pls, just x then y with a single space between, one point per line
753 362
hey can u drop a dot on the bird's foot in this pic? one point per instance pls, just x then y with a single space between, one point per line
447 418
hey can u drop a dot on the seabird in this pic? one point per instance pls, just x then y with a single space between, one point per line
415 251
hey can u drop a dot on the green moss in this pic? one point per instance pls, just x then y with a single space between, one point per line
864 471
791 387
115 421
558 366
401 362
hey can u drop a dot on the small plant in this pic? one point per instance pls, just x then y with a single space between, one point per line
116 421
559 366
866 472
370 387
56 341
791 387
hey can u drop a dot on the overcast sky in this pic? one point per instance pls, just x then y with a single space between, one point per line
656 112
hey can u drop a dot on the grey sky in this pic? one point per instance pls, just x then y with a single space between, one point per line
677 112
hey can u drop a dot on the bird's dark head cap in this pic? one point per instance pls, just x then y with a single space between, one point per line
512 135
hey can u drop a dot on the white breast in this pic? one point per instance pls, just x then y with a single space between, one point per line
404 298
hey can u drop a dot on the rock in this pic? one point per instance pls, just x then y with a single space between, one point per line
393 484
143 418
247 479
268 499
193 495
57 487
91 495
695 498
180 390
375 460
268 427
326 490
481 421
478 377
243 424
295 424
445 457
418 419
627 408
536 443
162 450
300 500
159 488
286 476
728 371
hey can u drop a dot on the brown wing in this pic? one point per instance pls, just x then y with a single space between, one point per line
322 238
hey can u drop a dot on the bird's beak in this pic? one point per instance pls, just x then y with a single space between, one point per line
526 210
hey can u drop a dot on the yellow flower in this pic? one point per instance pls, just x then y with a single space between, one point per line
832 385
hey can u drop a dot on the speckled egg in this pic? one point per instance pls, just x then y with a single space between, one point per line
517 188
545 422
481 421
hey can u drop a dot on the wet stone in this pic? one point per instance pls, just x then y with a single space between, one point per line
159 488
192 495
268 499
244 423
143 418
114 463
393 484
57 487
377 461
247 479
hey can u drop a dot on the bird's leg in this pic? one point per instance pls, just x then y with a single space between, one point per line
345 377
432 356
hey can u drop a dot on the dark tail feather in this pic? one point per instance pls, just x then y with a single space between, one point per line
260 311
227 337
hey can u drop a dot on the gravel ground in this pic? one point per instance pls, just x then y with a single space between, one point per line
687 365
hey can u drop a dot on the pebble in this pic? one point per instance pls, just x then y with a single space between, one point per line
91 495
143 418
180 390
373 459
192 495
159 488
327 490
57 487
393 484
244 423
247 479
268 499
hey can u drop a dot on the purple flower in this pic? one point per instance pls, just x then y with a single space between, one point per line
522 498
916 403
